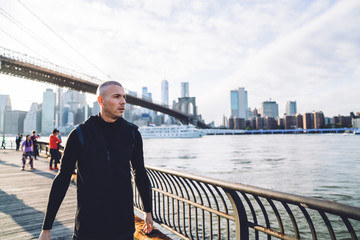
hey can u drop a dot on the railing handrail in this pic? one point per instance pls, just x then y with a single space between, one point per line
308 202
190 205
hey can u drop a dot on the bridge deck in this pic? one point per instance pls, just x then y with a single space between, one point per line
23 200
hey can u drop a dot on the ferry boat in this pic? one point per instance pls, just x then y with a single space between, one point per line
171 131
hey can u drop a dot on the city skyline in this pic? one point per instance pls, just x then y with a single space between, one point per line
308 51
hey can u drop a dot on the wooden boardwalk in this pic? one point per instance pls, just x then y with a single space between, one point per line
23 199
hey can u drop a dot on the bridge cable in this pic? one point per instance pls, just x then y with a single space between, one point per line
20 42
67 43
31 34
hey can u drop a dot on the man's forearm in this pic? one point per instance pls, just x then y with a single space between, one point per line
57 194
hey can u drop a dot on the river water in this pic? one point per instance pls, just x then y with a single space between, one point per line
324 166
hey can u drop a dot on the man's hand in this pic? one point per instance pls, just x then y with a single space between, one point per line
148 225
44 235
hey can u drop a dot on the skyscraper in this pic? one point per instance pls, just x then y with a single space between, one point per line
5 105
75 100
48 111
165 93
60 108
270 109
239 103
14 122
290 108
32 119
185 89
145 93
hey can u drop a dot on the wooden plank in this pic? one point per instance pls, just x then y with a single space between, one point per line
23 199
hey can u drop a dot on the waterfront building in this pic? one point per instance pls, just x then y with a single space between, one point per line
225 122
269 123
48 111
270 108
308 121
289 122
290 108
165 93
319 120
260 123
239 103
299 120
32 119
356 123
240 123
14 122
345 121
341 121
185 89
328 121
5 106
280 123
252 122
231 123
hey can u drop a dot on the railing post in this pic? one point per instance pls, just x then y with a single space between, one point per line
241 222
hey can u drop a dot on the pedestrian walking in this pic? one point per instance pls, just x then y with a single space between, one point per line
103 148
27 149
34 138
18 141
3 143
54 149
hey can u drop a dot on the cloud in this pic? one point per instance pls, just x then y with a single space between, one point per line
307 64
297 50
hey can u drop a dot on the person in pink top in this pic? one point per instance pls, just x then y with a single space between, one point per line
27 149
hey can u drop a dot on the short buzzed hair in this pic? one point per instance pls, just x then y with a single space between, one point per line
102 86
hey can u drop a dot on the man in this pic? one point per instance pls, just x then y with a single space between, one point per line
103 148
34 138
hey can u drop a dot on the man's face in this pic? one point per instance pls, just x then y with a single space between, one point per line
112 101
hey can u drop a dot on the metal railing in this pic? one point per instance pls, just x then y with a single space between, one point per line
195 207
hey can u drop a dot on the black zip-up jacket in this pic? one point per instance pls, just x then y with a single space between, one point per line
104 191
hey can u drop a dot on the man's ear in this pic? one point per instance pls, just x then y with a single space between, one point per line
100 100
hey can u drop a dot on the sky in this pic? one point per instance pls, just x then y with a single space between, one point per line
303 51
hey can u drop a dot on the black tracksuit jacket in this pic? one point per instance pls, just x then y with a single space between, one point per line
104 191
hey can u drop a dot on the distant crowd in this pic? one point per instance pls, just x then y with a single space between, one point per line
30 148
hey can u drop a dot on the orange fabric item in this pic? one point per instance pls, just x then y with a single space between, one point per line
54 140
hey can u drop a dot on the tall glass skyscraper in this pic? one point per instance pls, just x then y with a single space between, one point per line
239 103
145 94
290 108
185 89
165 93
48 111
270 109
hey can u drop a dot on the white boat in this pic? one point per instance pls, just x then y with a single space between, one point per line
357 132
171 131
